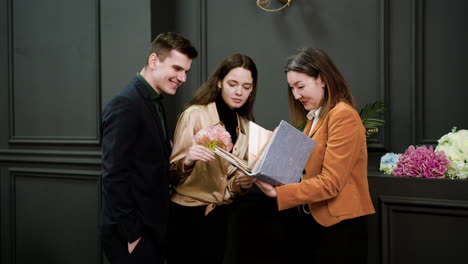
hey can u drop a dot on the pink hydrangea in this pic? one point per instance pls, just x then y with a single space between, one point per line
213 136
421 162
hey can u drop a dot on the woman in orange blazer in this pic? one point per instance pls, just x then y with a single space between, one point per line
329 204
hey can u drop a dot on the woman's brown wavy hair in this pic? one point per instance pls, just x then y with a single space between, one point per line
315 62
209 92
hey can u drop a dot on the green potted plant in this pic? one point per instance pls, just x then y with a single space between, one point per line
370 122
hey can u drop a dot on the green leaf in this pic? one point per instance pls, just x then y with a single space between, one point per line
368 113
368 124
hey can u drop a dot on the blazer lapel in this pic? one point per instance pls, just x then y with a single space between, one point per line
309 125
149 104
167 140
317 126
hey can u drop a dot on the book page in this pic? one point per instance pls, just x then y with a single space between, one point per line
234 160
258 139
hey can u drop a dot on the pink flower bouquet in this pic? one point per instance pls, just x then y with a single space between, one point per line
212 137
421 162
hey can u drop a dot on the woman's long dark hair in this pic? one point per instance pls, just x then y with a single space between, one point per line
315 62
209 91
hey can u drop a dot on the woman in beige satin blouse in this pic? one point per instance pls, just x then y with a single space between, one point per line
204 183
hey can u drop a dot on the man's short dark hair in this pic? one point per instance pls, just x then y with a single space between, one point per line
165 42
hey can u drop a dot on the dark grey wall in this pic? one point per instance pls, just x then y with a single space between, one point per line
125 34
228 27
184 17
269 38
57 55
427 64
418 220
61 61
407 53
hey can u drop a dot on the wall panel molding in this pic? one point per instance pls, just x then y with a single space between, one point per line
63 157
14 140
88 175
13 50
391 205
5 217
438 69
57 175
382 14
417 72
203 15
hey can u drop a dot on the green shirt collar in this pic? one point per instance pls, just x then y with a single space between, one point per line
153 94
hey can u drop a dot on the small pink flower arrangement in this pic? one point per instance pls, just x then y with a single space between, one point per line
421 162
212 137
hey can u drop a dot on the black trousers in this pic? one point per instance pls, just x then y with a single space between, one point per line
194 237
310 242
257 233
260 234
116 248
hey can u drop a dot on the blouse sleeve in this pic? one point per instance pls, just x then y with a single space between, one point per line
184 132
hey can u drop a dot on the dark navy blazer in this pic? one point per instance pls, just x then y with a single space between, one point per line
135 165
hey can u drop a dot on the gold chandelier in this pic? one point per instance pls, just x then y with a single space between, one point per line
264 3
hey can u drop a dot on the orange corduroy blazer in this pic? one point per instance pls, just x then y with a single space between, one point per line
334 184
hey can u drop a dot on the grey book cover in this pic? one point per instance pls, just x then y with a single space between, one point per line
284 157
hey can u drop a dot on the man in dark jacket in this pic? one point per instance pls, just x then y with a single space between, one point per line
136 149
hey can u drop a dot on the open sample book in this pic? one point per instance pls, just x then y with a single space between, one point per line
276 158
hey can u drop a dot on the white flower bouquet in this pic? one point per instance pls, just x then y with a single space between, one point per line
455 147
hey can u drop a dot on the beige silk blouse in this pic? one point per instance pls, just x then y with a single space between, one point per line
207 183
